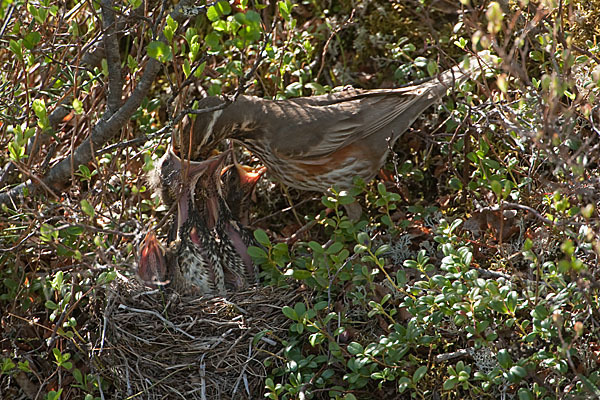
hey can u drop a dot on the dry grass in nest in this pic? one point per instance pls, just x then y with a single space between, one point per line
162 345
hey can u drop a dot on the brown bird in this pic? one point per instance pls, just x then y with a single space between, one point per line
312 143
152 266
238 185
208 253
193 259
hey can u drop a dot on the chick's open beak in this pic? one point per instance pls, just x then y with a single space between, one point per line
192 172
152 267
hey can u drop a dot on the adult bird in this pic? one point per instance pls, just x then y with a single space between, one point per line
312 143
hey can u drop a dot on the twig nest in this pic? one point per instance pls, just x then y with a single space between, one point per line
159 344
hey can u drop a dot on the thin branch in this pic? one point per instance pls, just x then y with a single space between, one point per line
104 130
113 59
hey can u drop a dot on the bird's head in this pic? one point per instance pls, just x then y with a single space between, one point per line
200 133
239 183
152 266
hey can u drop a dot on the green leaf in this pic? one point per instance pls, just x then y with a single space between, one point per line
363 238
290 313
159 51
403 384
51 305
87 208
450 383
16 48
525 394
218 10
419 373
31 39
519 371
284 9
187 70
106 277
74 230
316 247
496 188
78 106
301 274
493 164
334 248
504 359
39 107
16 151
300 309
511 301
78 376
171 28
384 248
262 237
257 253
200 70
355 348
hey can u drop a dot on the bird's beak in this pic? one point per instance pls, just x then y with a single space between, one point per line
214 177
152 267
191 172
249 178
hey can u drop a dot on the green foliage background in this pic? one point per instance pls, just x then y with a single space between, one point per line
473 271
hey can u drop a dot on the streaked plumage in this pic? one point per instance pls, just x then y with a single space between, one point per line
208 254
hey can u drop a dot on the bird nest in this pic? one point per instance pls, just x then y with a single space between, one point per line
159 344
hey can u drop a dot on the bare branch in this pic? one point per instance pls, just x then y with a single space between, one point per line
113 59
104 130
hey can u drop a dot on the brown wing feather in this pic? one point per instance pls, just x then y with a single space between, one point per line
332 121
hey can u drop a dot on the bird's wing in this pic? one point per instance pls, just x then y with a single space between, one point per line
307 130
314 127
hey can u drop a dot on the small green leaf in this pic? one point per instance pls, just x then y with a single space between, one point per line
355 348
262 237
87 208
78 376
450 383
257 252
301 274
187 70
403 384
290 313
519 371
16 48
419 373
31 39
218 10
504 359
171 28
300 309
51 305
525 394
496 188
159 51
334 248
78 106
74 230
